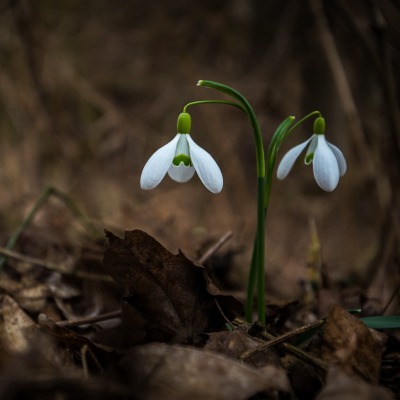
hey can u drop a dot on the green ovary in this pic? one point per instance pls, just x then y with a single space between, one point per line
319 126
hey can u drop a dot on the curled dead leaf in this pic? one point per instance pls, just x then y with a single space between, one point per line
348 342
172 297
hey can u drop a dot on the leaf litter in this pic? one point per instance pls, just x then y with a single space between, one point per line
160 328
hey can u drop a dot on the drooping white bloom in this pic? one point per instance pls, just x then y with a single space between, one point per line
328 161
181 158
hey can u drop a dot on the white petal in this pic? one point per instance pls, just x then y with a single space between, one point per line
340 158
207 169
289 159
158 164
325 166
181 173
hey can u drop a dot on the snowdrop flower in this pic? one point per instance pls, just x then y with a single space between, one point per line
181 158
328 161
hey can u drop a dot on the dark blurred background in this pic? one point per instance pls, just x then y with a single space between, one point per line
90 89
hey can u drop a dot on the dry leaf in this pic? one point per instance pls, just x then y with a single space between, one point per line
173 372
349 342
22 341
17 329
172 297
341 386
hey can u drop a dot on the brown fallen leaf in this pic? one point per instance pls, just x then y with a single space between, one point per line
342 386
174 372
348 342
172 297
17 329
24 343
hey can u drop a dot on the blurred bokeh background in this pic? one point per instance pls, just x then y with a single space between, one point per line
90 89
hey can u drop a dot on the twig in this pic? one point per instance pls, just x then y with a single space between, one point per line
283 338
91 320
295 351
215 247
54 267
222 312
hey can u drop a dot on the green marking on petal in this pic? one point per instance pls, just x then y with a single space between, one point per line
309 158
181 159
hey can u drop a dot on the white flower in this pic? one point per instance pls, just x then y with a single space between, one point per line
181 158
328 161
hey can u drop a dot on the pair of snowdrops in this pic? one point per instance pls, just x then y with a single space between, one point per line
182 157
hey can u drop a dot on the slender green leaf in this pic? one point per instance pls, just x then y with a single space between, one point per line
382 322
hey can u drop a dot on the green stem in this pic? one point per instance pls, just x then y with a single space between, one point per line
279 135
297 124
261 251
271 158
257 271
253 119
229 103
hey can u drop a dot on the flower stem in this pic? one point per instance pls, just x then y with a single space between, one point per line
257 272
297 124
229 103
271 160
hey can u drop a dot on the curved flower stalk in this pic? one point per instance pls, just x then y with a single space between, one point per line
181 158
328 161
257 271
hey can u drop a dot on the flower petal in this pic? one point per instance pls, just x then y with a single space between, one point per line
158 164
340 158
207 169
325 166
289 159
181 173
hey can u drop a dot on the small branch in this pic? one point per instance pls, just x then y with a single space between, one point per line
55 267
280 339
90 320
295 351
214 248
